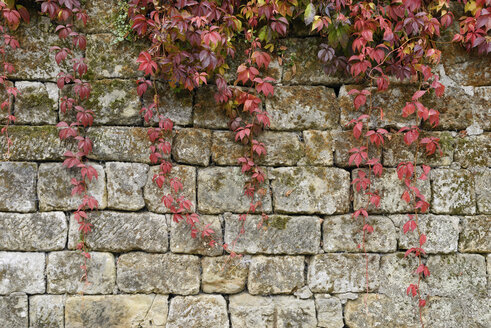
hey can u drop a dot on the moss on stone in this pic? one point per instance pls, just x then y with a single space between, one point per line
278 222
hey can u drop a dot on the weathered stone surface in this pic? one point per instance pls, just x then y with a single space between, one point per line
310 190
102 15
22 272
202 311
124 185
319 147
14 311
488 261
390 189
442 233
327 273
271 312
282 148
279 234
46 311
123 232
329 311
223 274
113 311
343 141
33 232
453 192
63 273
207 113
106 59
192 146
464 68
37 103
474 151
344 233
158 273
126 144
275 275
221 189
475 236
396 273
302 108
442 312
153 194
18 187
55 190
482 179
182 242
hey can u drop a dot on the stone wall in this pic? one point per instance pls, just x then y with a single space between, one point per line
303 269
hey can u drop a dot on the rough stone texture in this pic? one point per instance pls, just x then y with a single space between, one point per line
282 148
37 103
63 273
124 185
275 275
310 190
33 231
319 147
442 312
54 187
280 234
482 178
453 192
343 141
475 236
18 187
114 311
207 113
223 274
289 104
153 194
390 189
46 311
343 233
474 151
123 232
182 242
158 273
221 189
22 272
192 146
329 311
327 273
271 312
102 15
14 311
202 311
465 68
442 233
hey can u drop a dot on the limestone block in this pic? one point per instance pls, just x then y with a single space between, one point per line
181 240
482 179
443 312
223 274
18 187
319 147
14 311
453 192
310 190
279 234
22 272
158 273
343 141
327 273
33 231
46 311
203 311
123 232
37 103
396 273
464 68
125 182
55 189
329 311
475 236
207 113
275 275
192 146
64 273
474 151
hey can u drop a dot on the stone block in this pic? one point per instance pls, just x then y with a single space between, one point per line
47 311
344 233
125 182
279 234
223 275
123 232
482 179
64 273
303 108
22 272
329 311
204 311
475 235
221 189
132 311
55 190
396 273
37 103
465 68
153 194
158 273
102 16
443 312
206 112
192 146
33 231
474 151
453 192
14 311
310 190
181 240
18 187
319 147
343 141
275 275
327 273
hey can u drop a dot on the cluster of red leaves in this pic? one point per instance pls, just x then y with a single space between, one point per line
474 28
